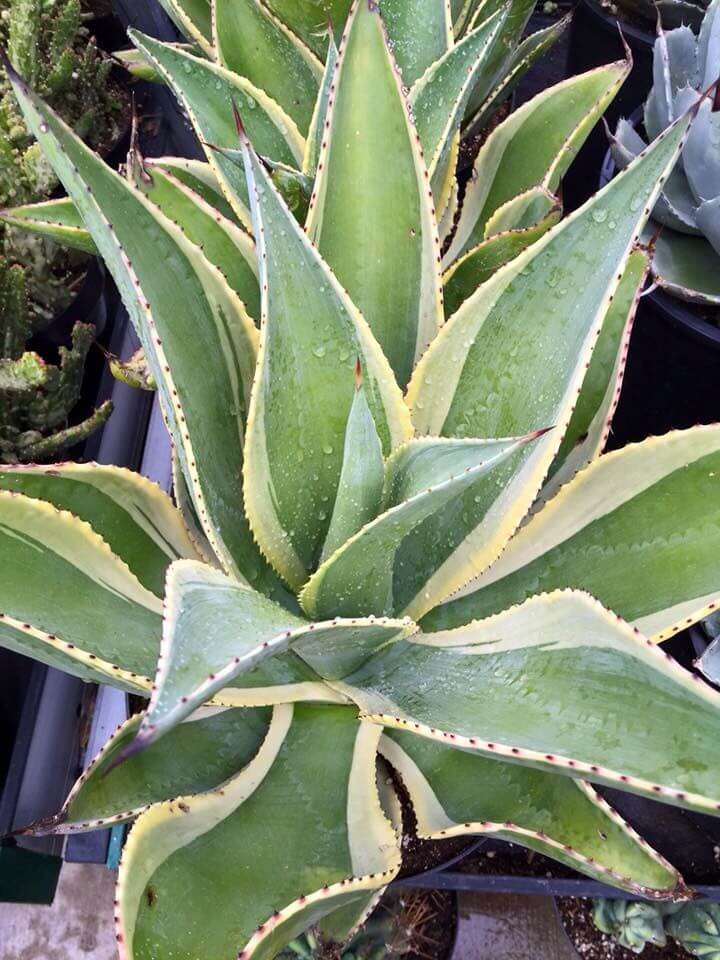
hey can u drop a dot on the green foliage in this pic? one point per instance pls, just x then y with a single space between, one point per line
672 13
687 256
697 927
632 924
347 459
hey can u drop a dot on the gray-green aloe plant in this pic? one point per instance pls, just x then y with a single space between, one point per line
686 259
393 532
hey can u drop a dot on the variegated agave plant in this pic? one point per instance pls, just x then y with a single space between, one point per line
324 517
686 258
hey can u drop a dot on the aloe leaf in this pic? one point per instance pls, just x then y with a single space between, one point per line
311 337
360 488
533 147
589 425
371 220
219 875
317 124
197 755
182 312
687 267
487 350
56 219
216 629
455 793
134 516
439 97
419 32
482 261
494 687
210 107
111 631
253 43
421 478
638 529
194 19
224 244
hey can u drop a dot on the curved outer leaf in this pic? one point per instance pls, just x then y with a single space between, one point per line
317 124
253 43
589 426
209 106
110 632
193 17
639 529
372 221
421 478
56 219
522 211
225 244
482 261
360 487
134 516
197 755
455 793
216 629
564 289
419 34
182 312
188 864
311 337
313 19
533 147
440 96
561 684
687 267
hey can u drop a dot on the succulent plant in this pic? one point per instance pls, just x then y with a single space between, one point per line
697 927
292 603
671 13
686 259
632 924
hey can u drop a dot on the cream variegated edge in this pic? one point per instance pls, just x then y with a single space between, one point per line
186 510
598 433
433 823
446 223
431 316
319 117
199 169
170 825
517 206
378 709
256 463
287 127
494 148
475 554
146 503
571 509
189 28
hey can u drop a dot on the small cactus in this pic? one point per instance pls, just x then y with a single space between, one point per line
697 927
632 924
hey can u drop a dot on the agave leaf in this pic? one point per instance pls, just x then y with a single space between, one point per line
709 45
687 267
134 516
525 210
196 755
533 147
521 59
439 97
189 863
494 687
481 262
195 84
186 509
194 19
360 488
111 631
708 219
182 312
638 529
200 177
216 629
140 68
485 348
299 409
371 220
224 244
701 158
455 793
421 478
313 20
317 124
56 219
589 426
419 32
253 43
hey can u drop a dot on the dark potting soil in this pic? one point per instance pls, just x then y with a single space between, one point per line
592 944
501 859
